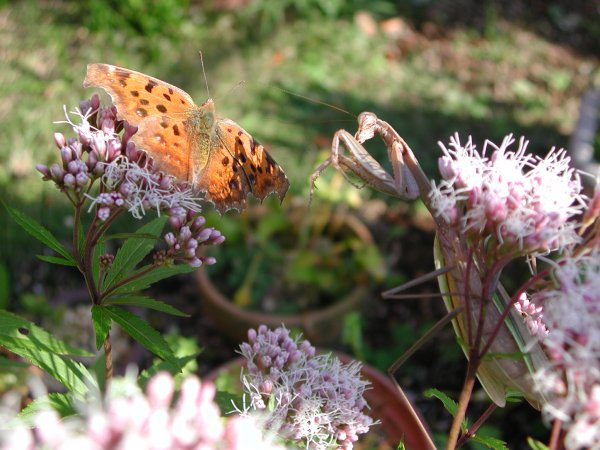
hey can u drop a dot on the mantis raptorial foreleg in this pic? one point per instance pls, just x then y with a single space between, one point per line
359 162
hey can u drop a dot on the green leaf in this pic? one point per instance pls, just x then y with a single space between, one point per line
101 322
164 366
142 332
13 327
41 349
72 374
98 368
535 444
134 250
39 232
8 364
56 260
4 286
61 403
148 279
145 302
225 400
490 442
449 404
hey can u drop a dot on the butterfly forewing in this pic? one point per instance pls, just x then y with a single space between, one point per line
136 95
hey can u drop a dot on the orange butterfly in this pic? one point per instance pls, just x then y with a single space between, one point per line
190 142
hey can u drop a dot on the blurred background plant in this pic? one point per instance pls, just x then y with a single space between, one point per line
428 68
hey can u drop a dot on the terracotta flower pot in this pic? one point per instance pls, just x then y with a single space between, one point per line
399 420
321 325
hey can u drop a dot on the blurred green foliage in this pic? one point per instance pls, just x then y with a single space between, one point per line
314 256
143 17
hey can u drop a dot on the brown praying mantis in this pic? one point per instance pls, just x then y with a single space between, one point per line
500 351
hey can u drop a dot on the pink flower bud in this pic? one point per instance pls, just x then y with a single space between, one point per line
160 390
59 140
43 170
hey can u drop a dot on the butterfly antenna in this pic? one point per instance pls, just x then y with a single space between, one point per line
237 86
204 73
318 102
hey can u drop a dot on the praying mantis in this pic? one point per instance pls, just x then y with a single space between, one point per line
483 319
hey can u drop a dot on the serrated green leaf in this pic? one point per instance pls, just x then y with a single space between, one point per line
39 232
142 332
13 326
145 302
72 374
101 322
61 403
490 442
535 444
148 279
449 404
56 260
133 251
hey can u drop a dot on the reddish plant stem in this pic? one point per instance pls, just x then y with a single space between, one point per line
555 435
535 278
473 429
463 401
124 281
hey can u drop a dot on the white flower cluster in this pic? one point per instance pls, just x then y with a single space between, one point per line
521 201
572 382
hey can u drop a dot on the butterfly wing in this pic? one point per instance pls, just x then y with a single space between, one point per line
216 155
158 109
137 95
263 173
239 165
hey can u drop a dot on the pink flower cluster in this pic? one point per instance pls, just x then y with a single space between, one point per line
572 381
103 151
522 202
316 400
131 420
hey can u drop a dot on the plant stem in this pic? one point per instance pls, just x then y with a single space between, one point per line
108 362
555 434
463 401
473 428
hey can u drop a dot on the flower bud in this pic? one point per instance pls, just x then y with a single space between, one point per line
59 140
